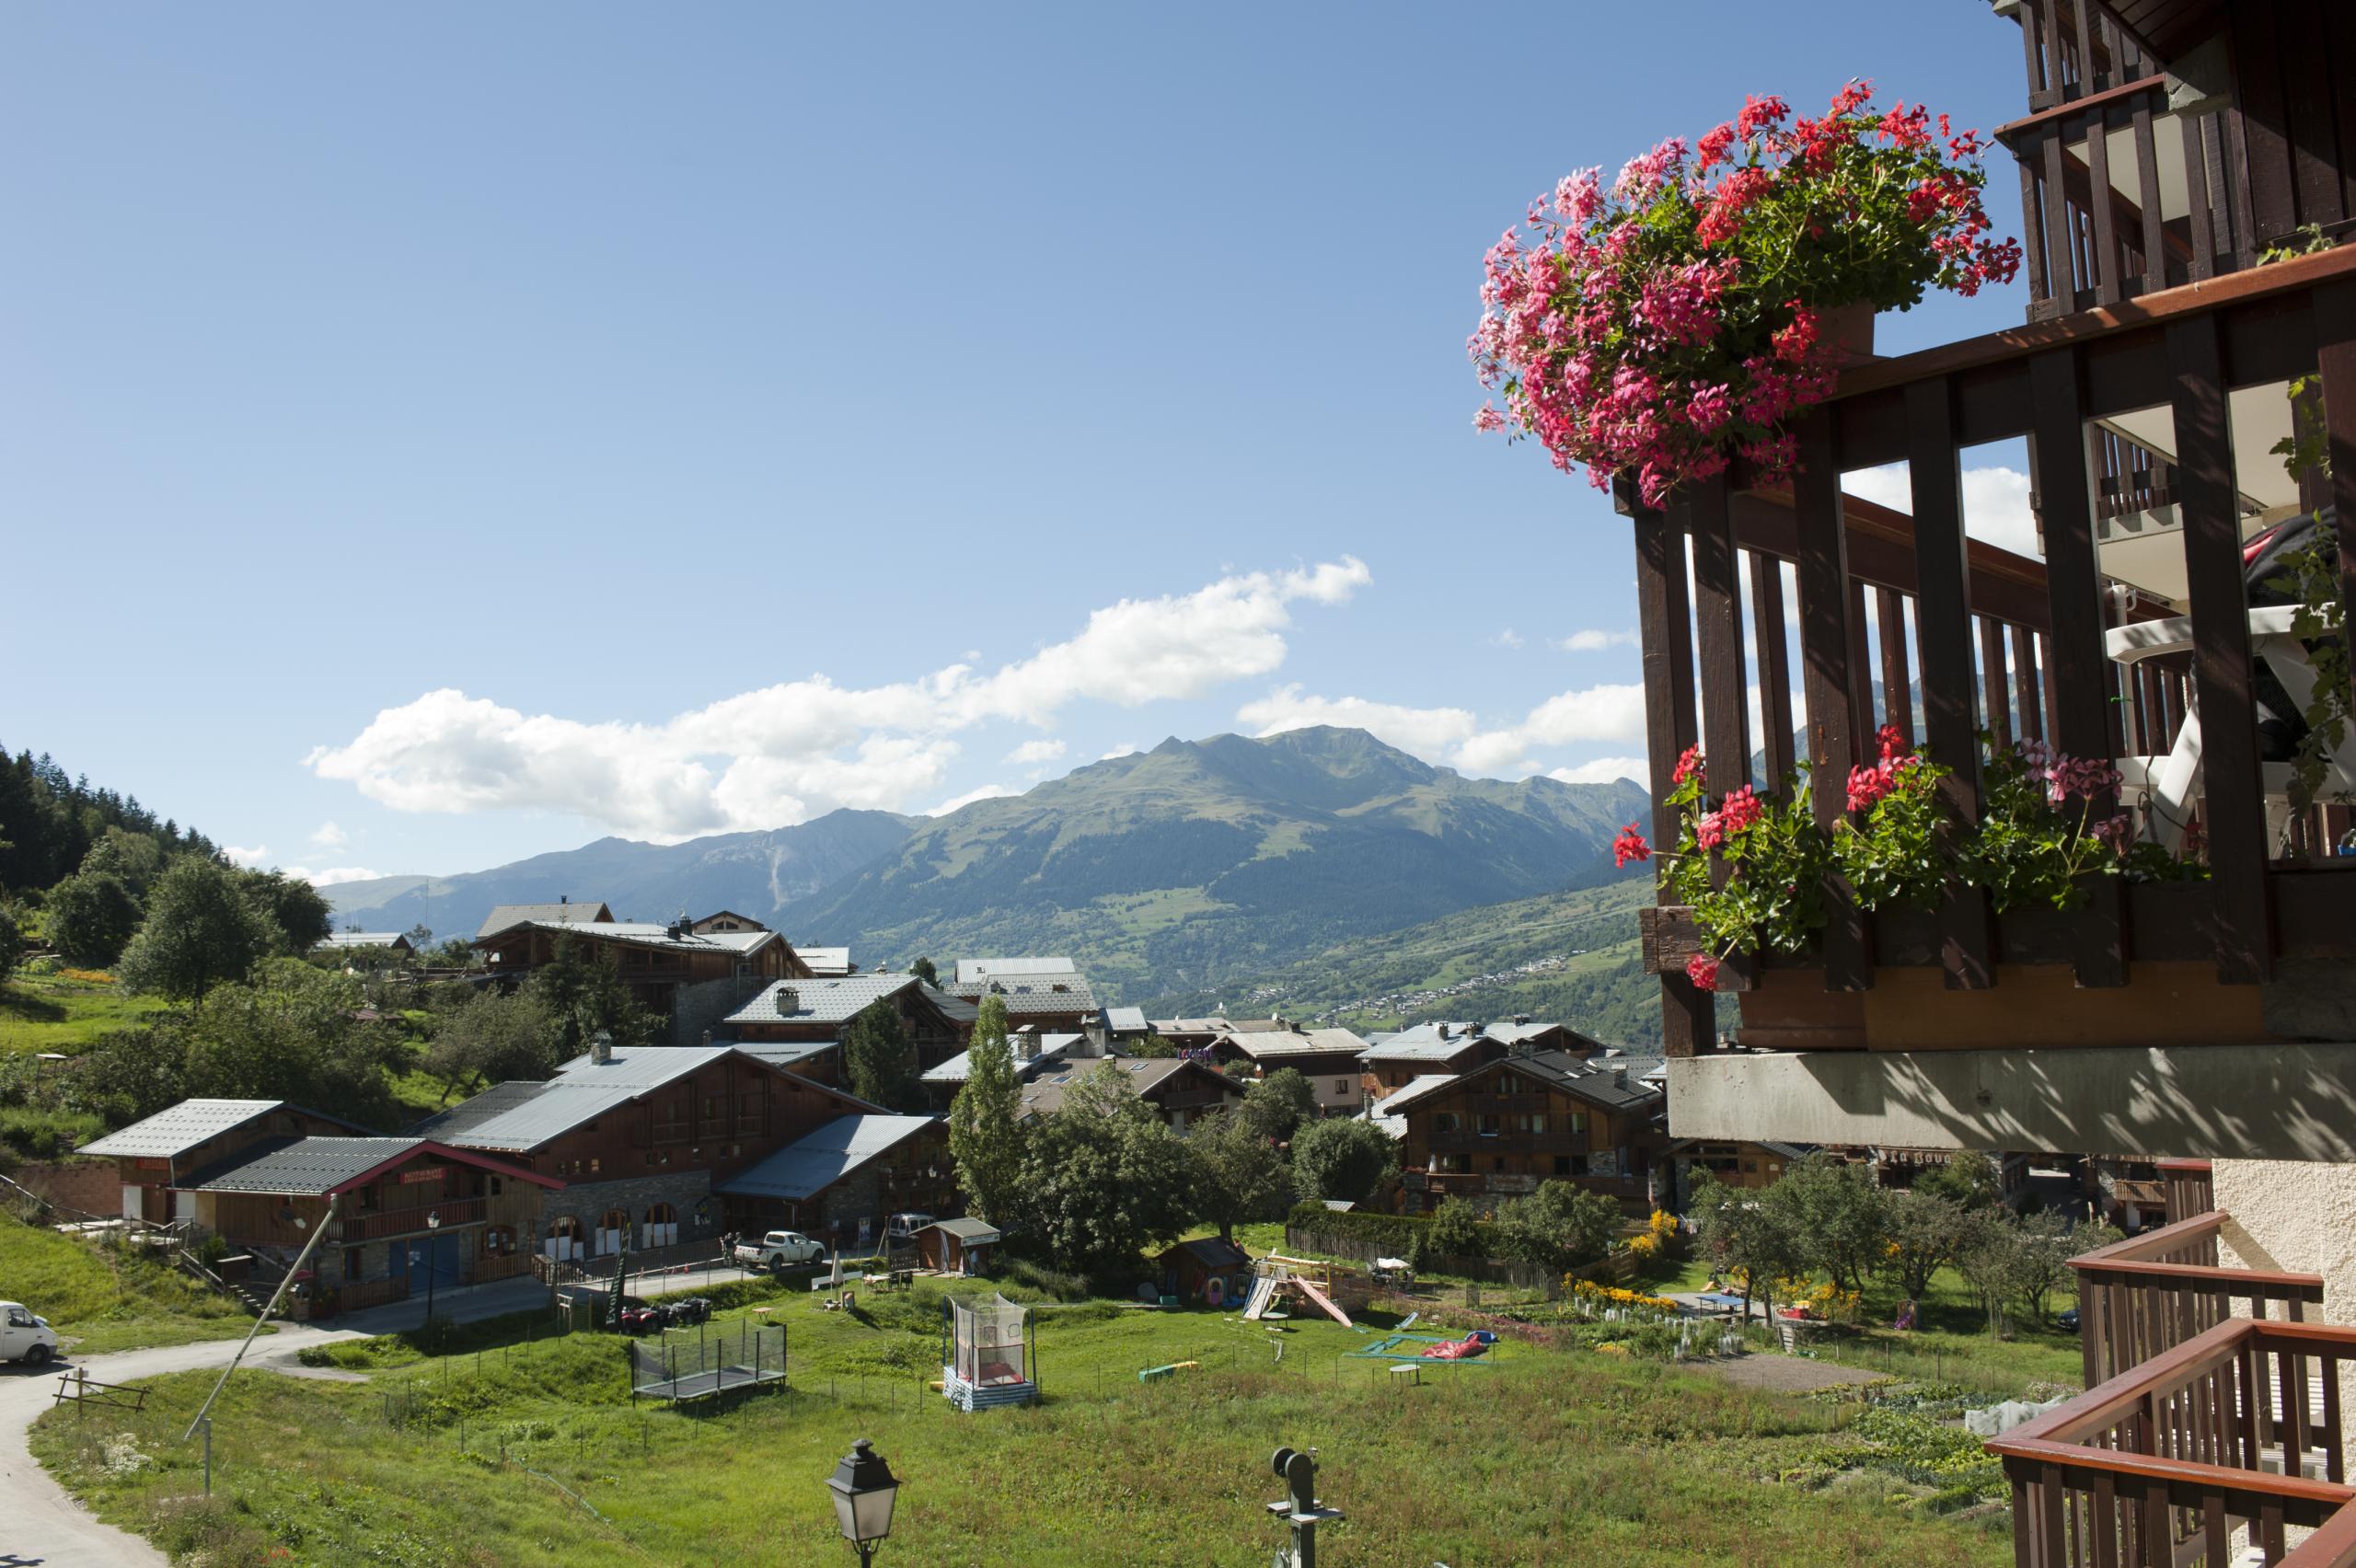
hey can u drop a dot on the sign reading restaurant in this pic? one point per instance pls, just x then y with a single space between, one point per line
425 1173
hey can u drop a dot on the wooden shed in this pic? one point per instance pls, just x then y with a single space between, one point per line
1213 1272
957 1246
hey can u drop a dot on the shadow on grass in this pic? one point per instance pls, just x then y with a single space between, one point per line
25 1008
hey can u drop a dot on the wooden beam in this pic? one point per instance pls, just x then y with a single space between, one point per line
1825 640
2335 329
1689 1016
2235 808
1718 621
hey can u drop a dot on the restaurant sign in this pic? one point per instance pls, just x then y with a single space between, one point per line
425 1173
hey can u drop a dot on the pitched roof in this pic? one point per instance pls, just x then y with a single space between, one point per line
972 1232
1406 1094
362 939
825 1000
1424 1043
1265 1044
311 1168
980 970
1211 1253
1045 1095
192 1121
1597 1082
807 1168
1024 1001
959 1068
645 934
507 914
749 923
1125 1020
825 960
527 1115
787 1054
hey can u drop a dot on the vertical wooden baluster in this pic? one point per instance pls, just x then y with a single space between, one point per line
2105 1504
2087 80
1775 664
2306 95
1826 671
1995 706
2033 246
2334 310
1861 666
2108 273
2080 723
1717 623
2202 222
2049 24
2235 810
2024 1543
1943 623
1896 676
2147 196
2060 245
2290 1378
2335 1442
1689 1016
2214 1535
2027 687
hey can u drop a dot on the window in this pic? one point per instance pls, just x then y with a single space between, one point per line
367 1198
1562 1165
1507 1083
1444 1121
1341 1086
1578 1164
593 1167
1534 1121
1486 1124
351 1264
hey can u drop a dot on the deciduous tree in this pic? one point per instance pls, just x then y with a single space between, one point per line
90 917
1557 1226
876 1057
1281 1103
1836 1210
1239 1174
1925 1230
1741 1235
201 931
1102 1179
1343 1158
985 1129
492 1038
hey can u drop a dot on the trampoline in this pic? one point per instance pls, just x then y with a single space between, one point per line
1385 1347
680 1371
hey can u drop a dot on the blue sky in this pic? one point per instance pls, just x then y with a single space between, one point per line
434 435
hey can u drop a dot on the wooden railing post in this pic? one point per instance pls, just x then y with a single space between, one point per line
2335 326
1689 1016
1717 624
1825 644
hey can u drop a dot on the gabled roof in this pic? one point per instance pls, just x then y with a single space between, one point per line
1022 999
959 1068
1125 1020
972 1232
746 920
1045 1095
804 1168
825 960
527 1115
821 1000
641 934
1424 1043
362 939
1264 1044
981 970
1406 1094
189 1123
507 914
1211 1253
312 1168
788 1053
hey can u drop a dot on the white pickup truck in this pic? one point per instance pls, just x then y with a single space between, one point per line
777 1251
24 1337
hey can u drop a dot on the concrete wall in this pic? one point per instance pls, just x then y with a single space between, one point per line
2297 1215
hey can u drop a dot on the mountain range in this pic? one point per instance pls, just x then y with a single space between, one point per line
1174 870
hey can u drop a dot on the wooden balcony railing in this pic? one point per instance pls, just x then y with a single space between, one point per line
1999 641
2164 1463
2193 1189
410 1221
2150 1293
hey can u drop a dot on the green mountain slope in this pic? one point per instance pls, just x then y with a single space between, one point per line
1200 862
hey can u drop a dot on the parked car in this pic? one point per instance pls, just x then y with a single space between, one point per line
903 1228
779 1251
2067 1320
24 1337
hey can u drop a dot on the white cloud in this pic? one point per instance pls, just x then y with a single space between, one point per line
1995 503
986 792
1594 640
1589 714
1508 638
247 858
787 752
327 835
332 875
1603 770
1428 732
1126 748
1032 752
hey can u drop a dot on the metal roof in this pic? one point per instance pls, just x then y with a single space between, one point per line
1415 1088
506 915
1271 1043
301 1167
824 1001
1022 999
452 1125
805 1169
189 1123
1424 1043
1045 1095
980 970
959 1068
582 1091
1125 1020
825 960
646 934
786 1053
972 1232
362 939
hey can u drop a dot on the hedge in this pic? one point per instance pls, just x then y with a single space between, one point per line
1390 1234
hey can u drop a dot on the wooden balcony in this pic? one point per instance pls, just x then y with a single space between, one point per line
2150 1293
1999 641
410 1221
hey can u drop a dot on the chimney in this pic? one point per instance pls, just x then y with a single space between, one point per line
564 898
1619 1077
1027 1047
601 1048
788 1001
1521 1018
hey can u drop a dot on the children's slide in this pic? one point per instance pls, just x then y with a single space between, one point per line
1324 1302
1263 1292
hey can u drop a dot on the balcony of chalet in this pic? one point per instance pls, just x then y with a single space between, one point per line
2212 1426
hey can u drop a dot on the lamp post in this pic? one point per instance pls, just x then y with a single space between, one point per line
433 1230
1299 1507
864 1489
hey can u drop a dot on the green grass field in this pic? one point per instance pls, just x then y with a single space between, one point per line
1543 1456
52 1012
101 1300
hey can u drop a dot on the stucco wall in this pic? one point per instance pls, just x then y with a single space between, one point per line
2296 1215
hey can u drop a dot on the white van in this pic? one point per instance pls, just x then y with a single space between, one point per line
24 1337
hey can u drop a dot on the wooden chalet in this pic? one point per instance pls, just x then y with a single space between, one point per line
678 975
641 1139
395 1212
840 1182
1182 1090
800 1023
2165 148
152 1157
1443 1049
1328 1058
957 1246
1499 1130
725 920
1046 992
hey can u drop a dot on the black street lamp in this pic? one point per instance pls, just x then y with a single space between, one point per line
864 1489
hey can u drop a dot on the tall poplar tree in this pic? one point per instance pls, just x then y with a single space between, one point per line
984 1136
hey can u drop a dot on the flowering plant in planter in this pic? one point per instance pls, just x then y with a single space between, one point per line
1659 326
1888 844
2039 836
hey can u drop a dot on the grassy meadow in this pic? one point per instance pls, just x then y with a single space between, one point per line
531 1453
66 1012
101 1300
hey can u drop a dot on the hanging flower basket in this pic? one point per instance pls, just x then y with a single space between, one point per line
1664 326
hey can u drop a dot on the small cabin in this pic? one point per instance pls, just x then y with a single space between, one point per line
1215 1273
957 1246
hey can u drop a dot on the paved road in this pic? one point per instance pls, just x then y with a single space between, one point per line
40 1523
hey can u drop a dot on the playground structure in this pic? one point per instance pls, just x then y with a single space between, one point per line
1467 1351
989 1353
678 1370
1279 1281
